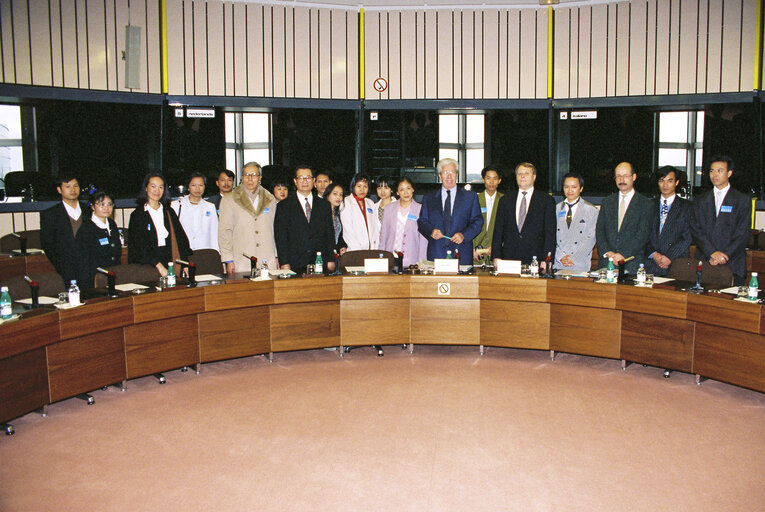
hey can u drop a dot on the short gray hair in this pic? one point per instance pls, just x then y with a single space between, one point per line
253 164
447 161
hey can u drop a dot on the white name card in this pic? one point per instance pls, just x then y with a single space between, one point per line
508 267
444 266
375 265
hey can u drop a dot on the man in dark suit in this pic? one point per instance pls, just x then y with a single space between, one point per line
525 224
225 184
670 235
624 222
450 217
488 200
303 226
59 225
721 220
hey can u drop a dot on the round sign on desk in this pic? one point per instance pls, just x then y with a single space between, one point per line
380 84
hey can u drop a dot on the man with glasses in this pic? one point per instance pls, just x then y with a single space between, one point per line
303 226
246 225
450 217
670 236
59 225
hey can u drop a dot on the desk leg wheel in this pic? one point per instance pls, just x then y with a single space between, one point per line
411 348
667 373
184 369
346 350
403 346
160 378
625 364
198 368
88 399
380 352
699 379
552 355
43 411
8 429
122 385
270 357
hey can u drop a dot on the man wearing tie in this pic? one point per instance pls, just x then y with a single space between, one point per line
670 235
450 217
720 221
577 219
624 222
525 224
488 200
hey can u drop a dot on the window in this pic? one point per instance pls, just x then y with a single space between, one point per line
11 154
248 139
680 142
462 137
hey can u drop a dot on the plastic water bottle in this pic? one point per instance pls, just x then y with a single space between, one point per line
6 311
610 273
318 264
753 287
641 274
534 267
74 293
448 254
263 274
170 274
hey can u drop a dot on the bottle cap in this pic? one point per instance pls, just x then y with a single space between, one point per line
73 281
754 274
4 289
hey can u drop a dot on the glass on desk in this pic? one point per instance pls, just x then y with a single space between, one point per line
309 269
602 275
163 282
743 291
649 279
63 298
525 272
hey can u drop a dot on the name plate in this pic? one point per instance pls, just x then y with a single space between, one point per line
375 265
508 267
444 266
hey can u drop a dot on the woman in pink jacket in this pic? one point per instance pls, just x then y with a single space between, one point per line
399 226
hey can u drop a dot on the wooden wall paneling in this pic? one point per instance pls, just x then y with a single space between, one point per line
304 326
341 45
229 50
478 54
238 295
623 57
359 327
40 42
528 54
574 49
96 44
315 55
6 43
153 49
156 306
430 57
502 287
714 46
279 43
502 56
731 46
395 71
372 53
86 363
748 29
612 37
433 321
308 289
112 56
23 384
237 24
69 45
729 356
541 53
324 64
583 330
98 316
352 66
689 19
123 18
562 54
584 50
302 53
515 324
636 66
383 38
256 77
490 61
289 52
216 55
599 58
409 57
21 43
234 333
200 47
662 34
162 345
674 46
176 48
701 50
376 287
56 55
658 341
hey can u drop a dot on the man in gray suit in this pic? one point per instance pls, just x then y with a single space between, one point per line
576 223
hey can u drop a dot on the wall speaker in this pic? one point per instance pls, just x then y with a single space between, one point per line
132 56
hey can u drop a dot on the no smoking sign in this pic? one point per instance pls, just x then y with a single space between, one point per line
380 84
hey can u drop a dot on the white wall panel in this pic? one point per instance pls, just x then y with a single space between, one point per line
636 65
81 40
113 56
687 63
490 69
69 46
338 60
561 52
467 75
229 48
32 220
189 82
674 47
541 54
21 42
324 24
598 50
6 43
650 71
731 49
701 52
255 73
395 71
200 42
623 57
238 40
663 27
408 59
153 44
302 54
714 46
430 57
278 37
514 76
748 28
96 44
314 52
528 71
39 28
215 55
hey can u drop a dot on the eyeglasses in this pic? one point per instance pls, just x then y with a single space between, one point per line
105 205
304 178
250 175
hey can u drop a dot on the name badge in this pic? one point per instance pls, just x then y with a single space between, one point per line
266 209
369 210
561 214
207 213
103 241
411 217
726 209
483 209
148 226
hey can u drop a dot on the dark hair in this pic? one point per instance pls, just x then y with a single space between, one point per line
491 168
328 191
325 173
228 173
65 178
664 170
98 195
298 167
143 198
574 175
402 180
721 158
383 180
279 180
357 178
197 175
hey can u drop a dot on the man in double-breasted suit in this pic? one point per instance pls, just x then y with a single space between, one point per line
450 217
303 226
670 236
487 200
576 222
721 220
525 223
624 222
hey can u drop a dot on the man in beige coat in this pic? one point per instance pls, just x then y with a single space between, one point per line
246 225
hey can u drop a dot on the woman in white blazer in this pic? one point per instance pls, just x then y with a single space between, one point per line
361 227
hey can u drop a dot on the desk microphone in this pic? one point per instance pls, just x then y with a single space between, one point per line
110 278
192 271
253 264
22 243
34 288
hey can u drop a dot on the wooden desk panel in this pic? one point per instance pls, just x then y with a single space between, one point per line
307 289
38 263
168 304
86 363
730 356
154 347
461 287
99 315
653 301
581 292
23 383
658 341
512 288
238 295
589 331
12 266
35 329
374 322
515 324
724 312
376 287
755 261
446 321
306 325
234 333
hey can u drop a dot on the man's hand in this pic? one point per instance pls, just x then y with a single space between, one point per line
457 238
331 266
566 260
718 258
285 267
661 260
436 234
230 268
617 256
162 270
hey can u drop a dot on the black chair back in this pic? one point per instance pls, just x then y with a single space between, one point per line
51 284
356 258
207 261
130 273
713 276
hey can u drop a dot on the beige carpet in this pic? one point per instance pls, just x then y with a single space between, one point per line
443 429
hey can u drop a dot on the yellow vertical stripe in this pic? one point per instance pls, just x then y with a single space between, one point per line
758 48
754 210
163 9
361 54
550 26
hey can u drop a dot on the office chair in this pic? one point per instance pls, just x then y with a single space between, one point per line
712 276
129 273
10 242
51 284
207 261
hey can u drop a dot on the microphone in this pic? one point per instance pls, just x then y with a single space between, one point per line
192 271
110 281
34 288
22 243
253 264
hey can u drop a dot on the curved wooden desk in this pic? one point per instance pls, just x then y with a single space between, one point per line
50 355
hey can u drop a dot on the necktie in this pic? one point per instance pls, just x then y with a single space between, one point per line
448 212
622 210
663 215
569 215
522 213
307 210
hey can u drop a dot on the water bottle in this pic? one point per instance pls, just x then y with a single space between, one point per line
170 274
610 273
263 274
318 264
448 254
6 311
74 293
641 274
534 267
753 287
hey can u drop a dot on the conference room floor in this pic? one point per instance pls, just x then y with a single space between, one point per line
442 429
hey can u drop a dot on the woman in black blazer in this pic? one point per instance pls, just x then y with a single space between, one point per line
98 240
335 193
155 235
